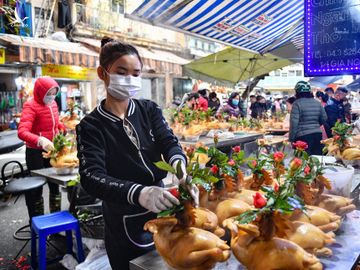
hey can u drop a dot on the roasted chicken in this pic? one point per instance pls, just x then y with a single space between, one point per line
208 221
276 253
230 208
187 248
319 217
310 238
336 204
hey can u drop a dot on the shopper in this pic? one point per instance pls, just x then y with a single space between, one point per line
38 126
214 102
259 108
307 115
335 109
322 97
232 105
118 144
203 99
289 102
347 110
329 91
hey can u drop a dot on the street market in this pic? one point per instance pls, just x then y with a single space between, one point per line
179 134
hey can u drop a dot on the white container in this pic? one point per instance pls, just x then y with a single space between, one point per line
341 180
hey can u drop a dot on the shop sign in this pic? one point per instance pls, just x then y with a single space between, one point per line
332 37
2 56
69 72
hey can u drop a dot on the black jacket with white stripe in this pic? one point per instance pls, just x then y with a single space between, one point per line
114 168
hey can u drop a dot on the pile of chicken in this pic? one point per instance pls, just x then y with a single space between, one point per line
340 144
64 154
291 240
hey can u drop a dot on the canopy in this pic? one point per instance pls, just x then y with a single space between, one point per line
354 86
233 65
323 82
257 25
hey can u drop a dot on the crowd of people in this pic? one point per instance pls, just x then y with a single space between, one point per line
308 117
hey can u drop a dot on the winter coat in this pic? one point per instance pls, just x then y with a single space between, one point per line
307 115
335 112
203 104
38 119
115 169
230 110
258 110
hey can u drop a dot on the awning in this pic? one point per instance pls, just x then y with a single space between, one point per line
233 65
323 82
48 51
257 25
154 60
354 86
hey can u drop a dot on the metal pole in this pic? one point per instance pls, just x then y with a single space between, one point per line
51 14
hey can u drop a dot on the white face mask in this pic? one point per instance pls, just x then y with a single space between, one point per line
49 99
122 87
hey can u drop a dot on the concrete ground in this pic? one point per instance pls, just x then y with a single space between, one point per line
12 217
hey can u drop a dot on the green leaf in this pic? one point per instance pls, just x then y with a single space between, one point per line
179 172
72 183
201 182
201 150
247 217
165 167
166 213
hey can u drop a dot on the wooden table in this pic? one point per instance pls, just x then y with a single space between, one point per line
346 251
240 138
51 176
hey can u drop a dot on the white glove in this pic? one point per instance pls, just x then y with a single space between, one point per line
46 144
157 199
193 189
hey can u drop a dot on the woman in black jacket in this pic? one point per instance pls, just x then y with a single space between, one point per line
118 144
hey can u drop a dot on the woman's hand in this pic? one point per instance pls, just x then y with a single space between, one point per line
157 199
45 144
193 189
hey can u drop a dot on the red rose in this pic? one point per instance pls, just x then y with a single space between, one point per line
175 192
279 156
300 145
237 149
259 200
336 137
295 163
231 162
214 169
276 186
307 170
254 163
190 150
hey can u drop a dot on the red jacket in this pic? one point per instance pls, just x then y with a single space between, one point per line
38 119
203 104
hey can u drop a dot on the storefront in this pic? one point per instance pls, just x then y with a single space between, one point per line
25 59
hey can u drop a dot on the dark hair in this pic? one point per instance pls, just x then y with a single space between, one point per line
329 89
291 100
258 98
324 97
342 89
212 95
252 96
112 49
202 92
304 95
192 95
232 96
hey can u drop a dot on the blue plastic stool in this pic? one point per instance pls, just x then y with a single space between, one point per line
45 225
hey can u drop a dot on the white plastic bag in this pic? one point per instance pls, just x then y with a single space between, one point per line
341 180
97 259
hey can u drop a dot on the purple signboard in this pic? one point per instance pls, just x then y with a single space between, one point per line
332 37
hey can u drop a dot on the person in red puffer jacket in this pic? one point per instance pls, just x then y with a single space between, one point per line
38 126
